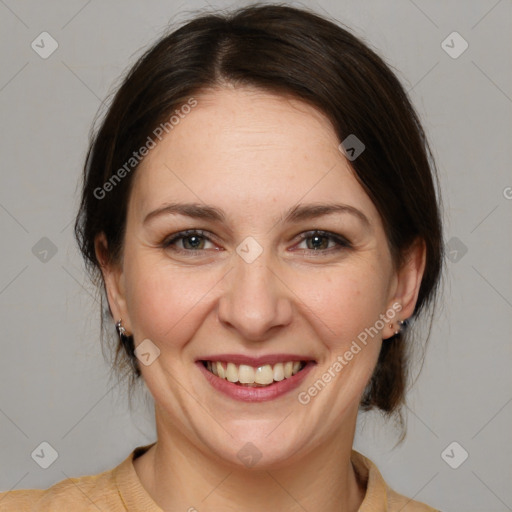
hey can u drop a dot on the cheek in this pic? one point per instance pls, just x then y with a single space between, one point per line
344 301
165 302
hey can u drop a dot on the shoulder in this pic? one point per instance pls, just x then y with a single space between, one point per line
379 496
116 490
86 493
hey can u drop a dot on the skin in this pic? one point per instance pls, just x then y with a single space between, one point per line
254 155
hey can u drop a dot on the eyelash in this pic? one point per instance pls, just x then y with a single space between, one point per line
342 243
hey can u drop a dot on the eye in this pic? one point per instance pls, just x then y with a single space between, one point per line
192 240
318 241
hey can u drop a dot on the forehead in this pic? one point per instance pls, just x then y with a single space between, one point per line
246 147
234 124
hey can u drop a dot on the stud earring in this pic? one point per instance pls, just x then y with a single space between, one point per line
401 323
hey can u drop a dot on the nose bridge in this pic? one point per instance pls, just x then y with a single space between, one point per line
255 299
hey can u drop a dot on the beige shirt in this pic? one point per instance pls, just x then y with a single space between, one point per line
120 490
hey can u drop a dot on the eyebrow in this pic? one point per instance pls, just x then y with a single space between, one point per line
293 215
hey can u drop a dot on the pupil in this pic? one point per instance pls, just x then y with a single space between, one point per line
194 244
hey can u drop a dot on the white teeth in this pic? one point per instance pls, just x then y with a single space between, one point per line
220 370
264 375
232 373
278 372
247 375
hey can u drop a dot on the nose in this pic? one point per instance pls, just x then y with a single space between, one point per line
256 300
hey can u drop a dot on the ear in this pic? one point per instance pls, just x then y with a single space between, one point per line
407 284
113 278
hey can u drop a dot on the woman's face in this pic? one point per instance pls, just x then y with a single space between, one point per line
256 282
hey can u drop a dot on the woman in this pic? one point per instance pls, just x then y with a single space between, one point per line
260 207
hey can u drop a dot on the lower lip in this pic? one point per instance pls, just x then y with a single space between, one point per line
256 394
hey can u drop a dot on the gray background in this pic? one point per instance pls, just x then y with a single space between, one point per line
54 382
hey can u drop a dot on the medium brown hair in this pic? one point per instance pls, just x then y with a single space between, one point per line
293 52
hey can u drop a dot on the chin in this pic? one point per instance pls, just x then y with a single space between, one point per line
258 448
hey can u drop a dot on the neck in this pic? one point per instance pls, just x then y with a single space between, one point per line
180 476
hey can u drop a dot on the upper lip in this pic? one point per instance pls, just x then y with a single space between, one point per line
255 361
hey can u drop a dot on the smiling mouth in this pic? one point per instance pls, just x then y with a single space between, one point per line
249 376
